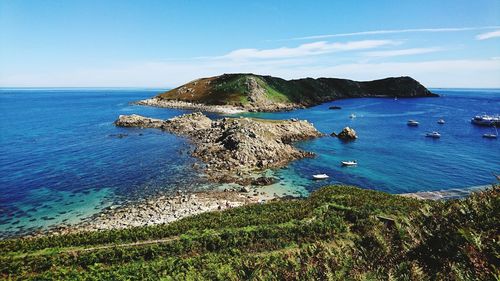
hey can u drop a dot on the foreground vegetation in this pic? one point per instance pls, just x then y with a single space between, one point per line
338 233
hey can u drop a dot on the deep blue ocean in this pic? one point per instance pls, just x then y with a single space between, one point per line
62 159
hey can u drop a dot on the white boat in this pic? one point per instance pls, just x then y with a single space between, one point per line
320 176
349 163
491 136
395 98
441 121
412 123
433 135
352 116
486 120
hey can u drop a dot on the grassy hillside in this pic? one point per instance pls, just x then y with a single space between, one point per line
338 233
237 89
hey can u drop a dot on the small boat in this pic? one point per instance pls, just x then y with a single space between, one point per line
412 123
349 163
320 176
395 98
491 136
441 121
434 134
352 116
486 120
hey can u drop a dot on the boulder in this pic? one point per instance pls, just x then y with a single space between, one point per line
347 134
244 189
135 120
263 181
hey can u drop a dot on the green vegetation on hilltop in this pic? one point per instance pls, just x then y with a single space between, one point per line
240 89
338 233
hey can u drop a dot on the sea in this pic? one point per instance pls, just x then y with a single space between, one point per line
62 160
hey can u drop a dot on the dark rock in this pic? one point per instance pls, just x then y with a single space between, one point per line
263 181
335 107
347 134
120 136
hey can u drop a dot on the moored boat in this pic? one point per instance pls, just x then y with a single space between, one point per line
349 163
412 123
320 176
491 136
433 135
486 120
441 121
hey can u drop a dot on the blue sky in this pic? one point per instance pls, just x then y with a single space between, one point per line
167 43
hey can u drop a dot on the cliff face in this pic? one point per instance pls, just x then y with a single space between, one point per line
266 93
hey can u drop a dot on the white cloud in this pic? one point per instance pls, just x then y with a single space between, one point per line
402 52
488 35
393 31
309 49
437 73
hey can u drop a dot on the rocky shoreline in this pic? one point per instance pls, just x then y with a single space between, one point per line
165 209
221 109
234 149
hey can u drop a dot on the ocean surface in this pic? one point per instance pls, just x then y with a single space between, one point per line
62 159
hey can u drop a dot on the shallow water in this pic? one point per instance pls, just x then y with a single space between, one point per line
62 160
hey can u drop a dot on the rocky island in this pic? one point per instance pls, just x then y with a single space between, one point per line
233 149
234 93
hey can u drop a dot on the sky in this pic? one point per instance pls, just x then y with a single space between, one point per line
164 44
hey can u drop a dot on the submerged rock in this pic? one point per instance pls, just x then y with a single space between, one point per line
335 107
263 181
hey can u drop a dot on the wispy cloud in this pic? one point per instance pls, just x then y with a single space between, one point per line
392 31
488 35
309 49
432 73
402 52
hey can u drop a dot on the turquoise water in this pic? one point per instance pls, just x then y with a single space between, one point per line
396 158
61 158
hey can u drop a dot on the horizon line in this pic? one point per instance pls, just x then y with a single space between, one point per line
158 88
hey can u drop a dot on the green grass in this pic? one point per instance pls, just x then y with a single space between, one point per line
338 233
272 94
235 91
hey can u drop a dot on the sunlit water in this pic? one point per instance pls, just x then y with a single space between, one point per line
62 159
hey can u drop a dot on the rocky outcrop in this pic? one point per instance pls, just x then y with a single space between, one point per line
250 92
346 134
135 120
234 148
